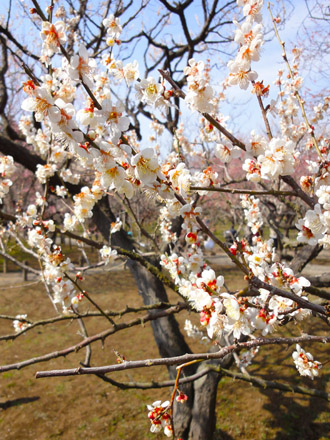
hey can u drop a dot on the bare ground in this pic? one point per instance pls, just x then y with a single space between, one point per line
78 408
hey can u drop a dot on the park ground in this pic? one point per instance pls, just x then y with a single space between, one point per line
86 408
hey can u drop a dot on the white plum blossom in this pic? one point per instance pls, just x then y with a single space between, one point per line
53 35
245 33
42 103
226 152
168 236
252 169
175 265
180 178
146 166
252 212
61 191
192 330
84 203
217 321
160 418
283 276
68 176
87 115
252 9
7 166
311 227
5 185
264 321
200 299
200 94
238 318
305 363
131 72
20 323
240 75
150 92
112 116
278 159
44 172
232 306
113 26
206 178
70 222
250 39
82 67
323 194
209 279
108 255
194 70
257 144
64 292
246 358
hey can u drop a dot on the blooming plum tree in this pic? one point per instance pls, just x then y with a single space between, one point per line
91 84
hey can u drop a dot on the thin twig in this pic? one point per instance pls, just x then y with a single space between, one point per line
296 93
207 116
112 322
271 192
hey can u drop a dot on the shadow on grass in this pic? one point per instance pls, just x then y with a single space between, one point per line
17 402
296 420
298 416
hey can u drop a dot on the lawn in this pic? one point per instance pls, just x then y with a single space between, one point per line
87 408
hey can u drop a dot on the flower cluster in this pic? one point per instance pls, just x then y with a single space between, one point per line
314 228
114 29
20 323
193 331
160 418
250 39
252 212
55 265
276 159
305 363
7 169
200 94
165 226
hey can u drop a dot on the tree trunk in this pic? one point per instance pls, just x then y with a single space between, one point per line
203 418
194 420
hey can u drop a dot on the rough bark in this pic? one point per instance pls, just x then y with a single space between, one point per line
169 339
320 280
304 256
194 420
203 420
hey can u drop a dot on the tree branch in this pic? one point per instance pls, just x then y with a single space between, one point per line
177 360
98 337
